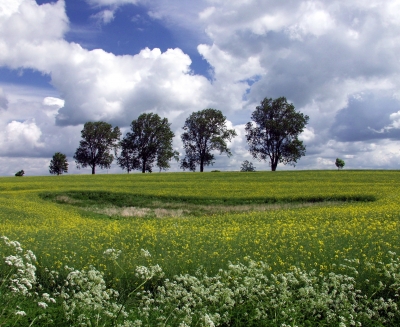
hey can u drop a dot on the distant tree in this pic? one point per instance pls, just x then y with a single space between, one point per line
247 166
98 139
275 134
339 163
149 144
205 131
20 173
58 164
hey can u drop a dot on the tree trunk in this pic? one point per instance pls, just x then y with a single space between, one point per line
94 170
144 167
201 165
273 166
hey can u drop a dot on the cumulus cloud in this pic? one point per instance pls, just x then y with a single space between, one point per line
21 137
335 60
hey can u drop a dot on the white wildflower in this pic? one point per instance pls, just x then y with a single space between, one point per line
145 253
42 305
112 254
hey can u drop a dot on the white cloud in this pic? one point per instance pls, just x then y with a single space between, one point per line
111 2
26 21
21 136
311 19
307 135
206 13
105 16
51 101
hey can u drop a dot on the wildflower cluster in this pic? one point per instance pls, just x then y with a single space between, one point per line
243 294
19 288
86 299
249 294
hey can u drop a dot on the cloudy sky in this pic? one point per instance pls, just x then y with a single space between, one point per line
63 63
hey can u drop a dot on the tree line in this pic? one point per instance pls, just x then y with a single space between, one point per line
272 136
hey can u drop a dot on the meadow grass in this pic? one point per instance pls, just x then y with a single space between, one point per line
308 220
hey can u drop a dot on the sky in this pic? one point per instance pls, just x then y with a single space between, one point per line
67 62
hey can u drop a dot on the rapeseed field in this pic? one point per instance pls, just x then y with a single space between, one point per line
307 220
310 236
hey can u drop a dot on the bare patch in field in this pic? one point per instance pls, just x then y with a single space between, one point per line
210 209
174 210
137 212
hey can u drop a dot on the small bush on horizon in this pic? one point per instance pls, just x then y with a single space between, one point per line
20 173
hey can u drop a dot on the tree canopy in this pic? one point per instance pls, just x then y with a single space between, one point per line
205 131
247 167
58 164
275 134
149 143
98 140
339 163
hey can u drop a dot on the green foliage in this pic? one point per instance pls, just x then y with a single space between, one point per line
20 173
339 163
149 142
275 134
58 164
247 167
98 139
205 131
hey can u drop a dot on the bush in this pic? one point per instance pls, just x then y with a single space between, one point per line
20 173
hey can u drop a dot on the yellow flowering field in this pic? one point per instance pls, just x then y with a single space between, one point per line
313 236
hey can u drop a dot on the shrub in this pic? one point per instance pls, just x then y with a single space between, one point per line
20 173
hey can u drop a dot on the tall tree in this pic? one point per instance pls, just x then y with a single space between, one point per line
98 140
275 134
149 144
58 164
205 131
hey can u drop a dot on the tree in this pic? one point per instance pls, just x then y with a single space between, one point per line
149 143
58 164
247 166
339 163
98 139
276 131
205 131
20 173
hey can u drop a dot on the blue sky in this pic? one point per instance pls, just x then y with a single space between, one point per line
63 63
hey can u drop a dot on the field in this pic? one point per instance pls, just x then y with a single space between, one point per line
190 222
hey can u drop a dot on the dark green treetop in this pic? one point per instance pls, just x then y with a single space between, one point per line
339 163
149 144
275 134
98 140
205 131
58 164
